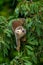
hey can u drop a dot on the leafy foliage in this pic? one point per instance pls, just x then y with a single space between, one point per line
31 52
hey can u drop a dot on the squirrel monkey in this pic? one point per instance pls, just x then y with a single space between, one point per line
19 31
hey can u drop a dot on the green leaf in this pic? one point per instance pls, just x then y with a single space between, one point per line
29 47
34 59
28 63
38 31
29 52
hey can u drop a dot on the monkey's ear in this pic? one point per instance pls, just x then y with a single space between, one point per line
23 39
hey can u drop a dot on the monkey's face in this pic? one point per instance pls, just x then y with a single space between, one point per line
20 31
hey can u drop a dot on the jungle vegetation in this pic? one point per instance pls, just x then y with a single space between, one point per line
31 52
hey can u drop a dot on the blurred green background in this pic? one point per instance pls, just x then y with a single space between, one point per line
31 52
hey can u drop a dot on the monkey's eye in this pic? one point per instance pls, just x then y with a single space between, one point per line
22 30
17 30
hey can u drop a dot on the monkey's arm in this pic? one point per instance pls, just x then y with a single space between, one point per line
18 44
17 41
23 39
